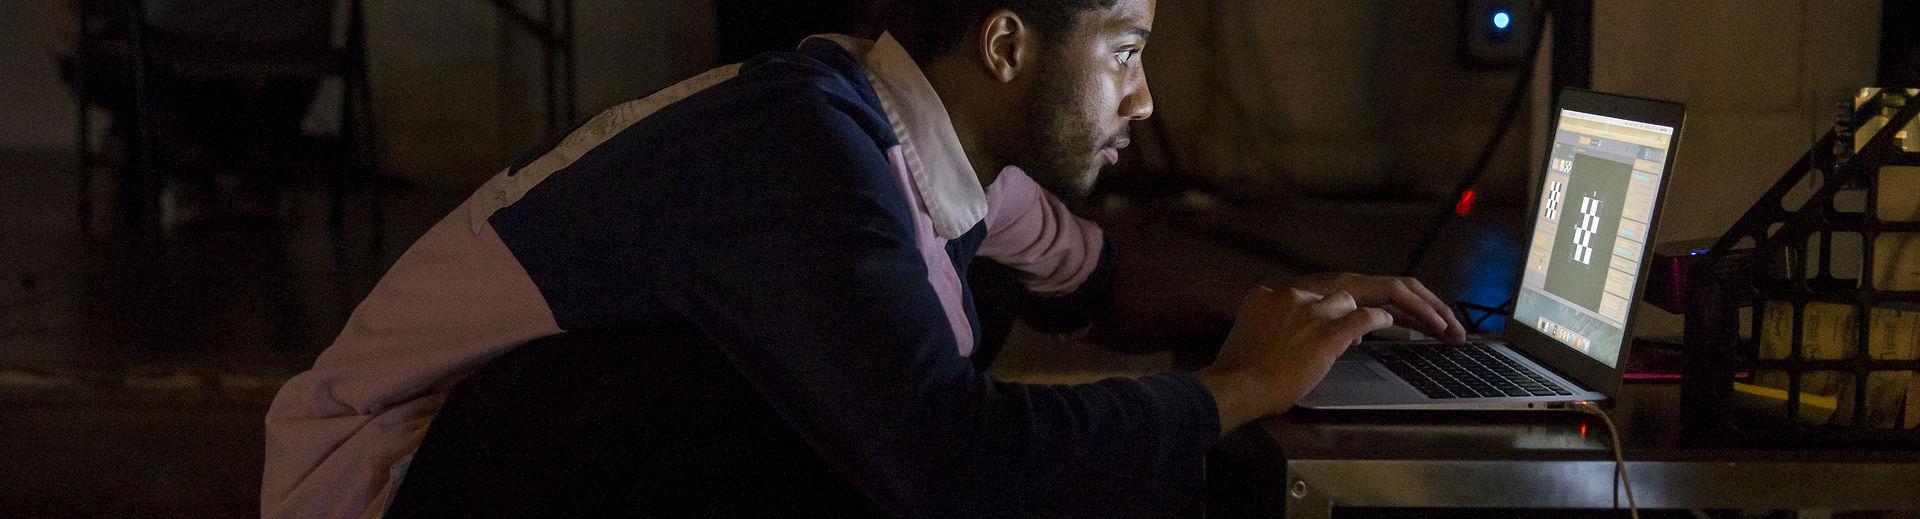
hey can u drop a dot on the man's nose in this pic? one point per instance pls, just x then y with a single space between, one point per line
1139 104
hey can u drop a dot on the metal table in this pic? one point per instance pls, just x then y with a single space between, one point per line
1310 463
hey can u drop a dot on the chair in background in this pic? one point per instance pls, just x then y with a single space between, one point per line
180 41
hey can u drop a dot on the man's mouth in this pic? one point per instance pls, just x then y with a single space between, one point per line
1112 150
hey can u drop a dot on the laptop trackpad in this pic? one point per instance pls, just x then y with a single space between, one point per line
1352 371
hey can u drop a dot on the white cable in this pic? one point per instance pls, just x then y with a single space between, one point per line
1619 459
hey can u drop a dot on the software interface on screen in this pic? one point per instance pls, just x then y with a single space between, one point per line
1591 232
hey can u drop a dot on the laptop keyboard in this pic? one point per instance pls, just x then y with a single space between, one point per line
1470 371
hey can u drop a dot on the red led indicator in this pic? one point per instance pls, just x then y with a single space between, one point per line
1465 205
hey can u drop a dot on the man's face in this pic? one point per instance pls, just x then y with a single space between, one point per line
1089 85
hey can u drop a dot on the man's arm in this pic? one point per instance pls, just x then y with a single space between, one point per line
830 318
799 265
1064 261
809 281
1086 305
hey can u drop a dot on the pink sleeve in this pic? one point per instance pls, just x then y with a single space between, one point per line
454 300
1033 232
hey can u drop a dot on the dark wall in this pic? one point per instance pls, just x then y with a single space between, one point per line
35 110
749 27
1900 43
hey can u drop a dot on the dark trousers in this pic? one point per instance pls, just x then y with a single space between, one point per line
611 424
655 424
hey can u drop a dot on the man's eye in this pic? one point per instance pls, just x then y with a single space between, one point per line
1124 56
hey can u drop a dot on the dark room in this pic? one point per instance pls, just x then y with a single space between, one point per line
960 258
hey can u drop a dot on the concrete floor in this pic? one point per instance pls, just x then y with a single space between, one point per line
134 374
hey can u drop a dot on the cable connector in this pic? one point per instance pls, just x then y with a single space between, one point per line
1620 478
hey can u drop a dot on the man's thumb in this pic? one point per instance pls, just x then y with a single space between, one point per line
1360 321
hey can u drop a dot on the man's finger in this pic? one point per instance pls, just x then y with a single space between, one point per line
1403 296
1302 296
1335 305
1403 318
1455 332
1360 322
1259 302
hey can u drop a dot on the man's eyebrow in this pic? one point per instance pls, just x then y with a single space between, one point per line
1142 32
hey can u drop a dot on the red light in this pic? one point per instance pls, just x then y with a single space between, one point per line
1583 429
1465 205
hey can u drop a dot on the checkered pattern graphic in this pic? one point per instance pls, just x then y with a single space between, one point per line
1556 191
1583 234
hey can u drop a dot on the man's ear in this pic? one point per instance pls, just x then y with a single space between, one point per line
1005 41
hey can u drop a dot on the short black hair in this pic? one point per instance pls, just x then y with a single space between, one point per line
931 28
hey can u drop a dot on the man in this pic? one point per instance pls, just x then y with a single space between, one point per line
741 296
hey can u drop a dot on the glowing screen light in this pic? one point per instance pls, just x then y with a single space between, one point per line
1501 19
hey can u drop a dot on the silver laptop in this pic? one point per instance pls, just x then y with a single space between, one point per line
1593 222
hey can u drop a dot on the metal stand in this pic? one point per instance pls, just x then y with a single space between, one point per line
1780 239
555 30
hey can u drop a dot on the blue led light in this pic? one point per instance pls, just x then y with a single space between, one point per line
1501 20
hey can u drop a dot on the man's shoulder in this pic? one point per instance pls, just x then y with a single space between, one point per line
815 85
778 125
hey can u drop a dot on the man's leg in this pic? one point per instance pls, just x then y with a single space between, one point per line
581 424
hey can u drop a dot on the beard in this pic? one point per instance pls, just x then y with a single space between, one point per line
1058 146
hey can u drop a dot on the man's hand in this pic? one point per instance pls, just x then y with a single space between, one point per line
1409 301
1281 345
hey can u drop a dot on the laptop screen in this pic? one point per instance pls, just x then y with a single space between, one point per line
1591 232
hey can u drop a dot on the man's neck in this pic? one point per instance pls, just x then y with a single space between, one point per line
951 79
